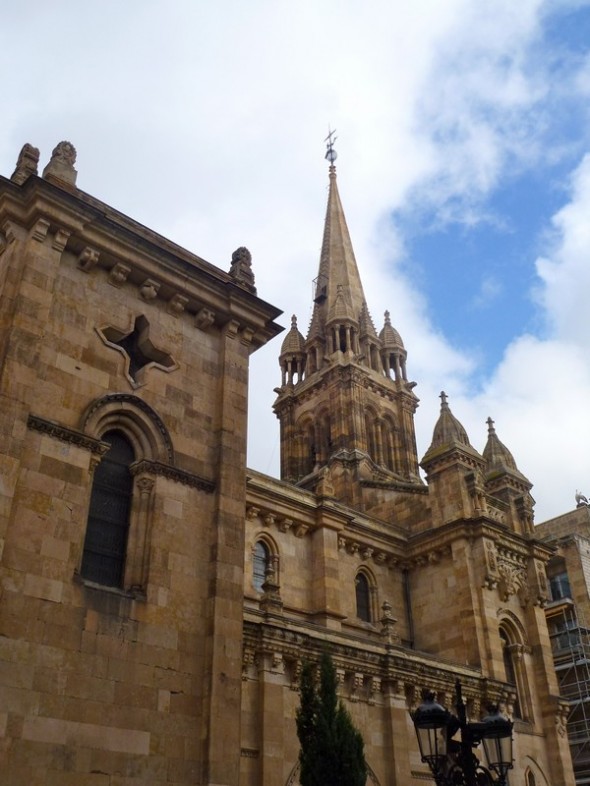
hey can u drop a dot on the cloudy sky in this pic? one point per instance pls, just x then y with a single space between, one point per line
463 166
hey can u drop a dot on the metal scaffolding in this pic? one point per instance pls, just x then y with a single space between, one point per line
570 643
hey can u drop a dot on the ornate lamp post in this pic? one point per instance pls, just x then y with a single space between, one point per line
454 763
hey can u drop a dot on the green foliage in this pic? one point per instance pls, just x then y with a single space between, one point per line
332 749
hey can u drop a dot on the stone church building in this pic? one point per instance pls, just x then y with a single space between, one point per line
158 598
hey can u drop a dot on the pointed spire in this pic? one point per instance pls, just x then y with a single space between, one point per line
389 336
293 341
449 436
367 328
498 458
338 288
495 453
292 357
448 430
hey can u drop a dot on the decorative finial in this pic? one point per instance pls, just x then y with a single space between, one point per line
443 399
241 268
331 154
581 500
491 429
387 318
294 321
60 169
26 164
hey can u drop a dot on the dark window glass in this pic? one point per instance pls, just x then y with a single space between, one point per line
560 586
105 545
363 598
261 563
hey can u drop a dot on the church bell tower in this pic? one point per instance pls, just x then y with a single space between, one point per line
345 404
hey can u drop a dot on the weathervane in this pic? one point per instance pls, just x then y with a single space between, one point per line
331 154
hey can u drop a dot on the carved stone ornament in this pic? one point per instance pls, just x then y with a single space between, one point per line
561 717
60 169
68 435
149 289
204 318
60 239
325 487
241 268
87 259
512 581
539 583
174 473
492 577
118 274
177 304
388 623
26 164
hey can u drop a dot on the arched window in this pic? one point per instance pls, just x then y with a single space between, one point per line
363 598
529 779
105 546
512 668
260 564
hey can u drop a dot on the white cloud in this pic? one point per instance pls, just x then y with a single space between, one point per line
565 272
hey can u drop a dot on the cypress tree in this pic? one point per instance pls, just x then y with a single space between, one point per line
332 749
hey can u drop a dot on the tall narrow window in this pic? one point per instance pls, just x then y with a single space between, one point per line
261 562
105 546
510 670
363 598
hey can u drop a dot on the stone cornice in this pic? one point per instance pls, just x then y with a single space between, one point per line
98 237
173 473
514 547
65 434
364 668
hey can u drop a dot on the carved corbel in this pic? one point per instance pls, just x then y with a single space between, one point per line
296 674
9 231
246 336
248 660
374 689
149 289
60 239
204 318
40 229
118 274
88 259
177 304
269 519
356 686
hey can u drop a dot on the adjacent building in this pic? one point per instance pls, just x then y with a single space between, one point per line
157 597
568 618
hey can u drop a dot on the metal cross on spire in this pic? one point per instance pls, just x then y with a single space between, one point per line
331 154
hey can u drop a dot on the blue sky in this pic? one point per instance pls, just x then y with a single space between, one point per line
463 135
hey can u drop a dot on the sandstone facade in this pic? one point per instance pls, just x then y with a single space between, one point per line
184 669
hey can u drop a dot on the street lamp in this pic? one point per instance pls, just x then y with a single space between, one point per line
453 763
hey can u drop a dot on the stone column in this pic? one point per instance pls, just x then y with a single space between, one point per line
272 719
326 588
398 728
223 660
